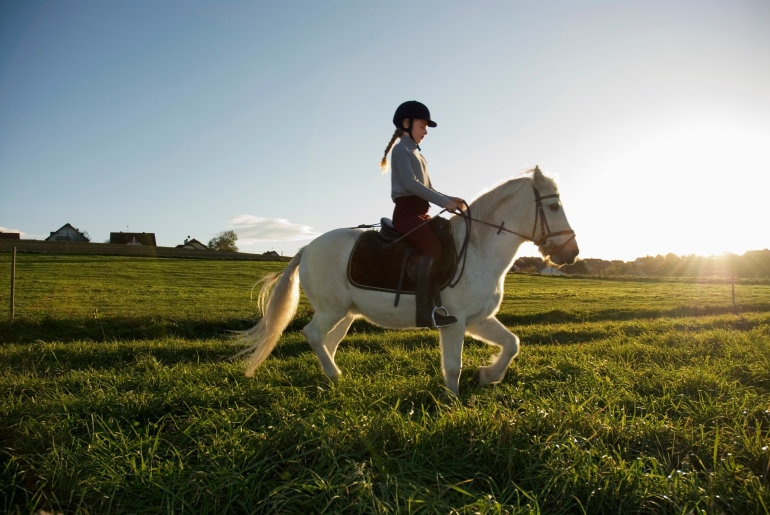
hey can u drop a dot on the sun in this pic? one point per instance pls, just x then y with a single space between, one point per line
692 186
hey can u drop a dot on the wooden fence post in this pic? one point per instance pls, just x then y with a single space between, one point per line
13 281
732 280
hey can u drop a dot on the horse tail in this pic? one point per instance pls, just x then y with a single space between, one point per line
278 309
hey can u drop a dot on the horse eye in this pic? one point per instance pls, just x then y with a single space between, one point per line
554 207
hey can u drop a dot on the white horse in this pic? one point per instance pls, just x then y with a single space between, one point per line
513 212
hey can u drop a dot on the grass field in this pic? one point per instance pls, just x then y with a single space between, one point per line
629 396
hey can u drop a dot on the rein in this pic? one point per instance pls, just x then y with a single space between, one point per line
371 226
463 254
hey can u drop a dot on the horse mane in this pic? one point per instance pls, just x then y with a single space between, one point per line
484 206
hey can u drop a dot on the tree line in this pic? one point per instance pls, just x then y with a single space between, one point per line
752 264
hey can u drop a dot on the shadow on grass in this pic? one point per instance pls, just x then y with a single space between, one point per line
108 356
144 328
558 316
118 329
131 342
152 328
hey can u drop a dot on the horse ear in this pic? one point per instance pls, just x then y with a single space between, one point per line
537 174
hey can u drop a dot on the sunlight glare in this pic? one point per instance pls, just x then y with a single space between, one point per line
697 188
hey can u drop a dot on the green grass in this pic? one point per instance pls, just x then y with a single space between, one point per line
633 396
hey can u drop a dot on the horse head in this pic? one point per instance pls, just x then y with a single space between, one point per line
552 233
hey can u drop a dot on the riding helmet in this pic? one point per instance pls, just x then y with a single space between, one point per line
412 109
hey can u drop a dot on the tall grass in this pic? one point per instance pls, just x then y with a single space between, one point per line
627 397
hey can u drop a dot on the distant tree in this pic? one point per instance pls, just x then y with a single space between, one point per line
578 267
86 235
648 265
596 266
528 264
671 266
754 263
618 267
225 240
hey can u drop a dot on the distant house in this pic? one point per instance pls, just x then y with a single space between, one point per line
549 270
271 253
10 235
68 233
133 238
192 244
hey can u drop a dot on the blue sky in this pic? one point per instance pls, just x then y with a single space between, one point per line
189 118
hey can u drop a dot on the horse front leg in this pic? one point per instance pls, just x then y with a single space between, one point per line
451 339
493 332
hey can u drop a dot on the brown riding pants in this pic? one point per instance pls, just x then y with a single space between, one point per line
409 213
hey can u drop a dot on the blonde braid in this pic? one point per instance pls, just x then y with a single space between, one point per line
384 162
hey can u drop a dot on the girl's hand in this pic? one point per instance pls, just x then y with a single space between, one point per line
452 206
455 204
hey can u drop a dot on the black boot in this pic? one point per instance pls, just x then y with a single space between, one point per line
427 315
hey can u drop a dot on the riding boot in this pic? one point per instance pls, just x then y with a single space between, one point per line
427 291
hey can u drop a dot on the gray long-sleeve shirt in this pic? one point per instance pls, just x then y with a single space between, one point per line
409 174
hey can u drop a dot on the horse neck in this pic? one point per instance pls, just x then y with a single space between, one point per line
496 249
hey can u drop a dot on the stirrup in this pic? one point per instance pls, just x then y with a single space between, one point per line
451 320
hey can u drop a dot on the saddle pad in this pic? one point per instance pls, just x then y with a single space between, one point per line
376 265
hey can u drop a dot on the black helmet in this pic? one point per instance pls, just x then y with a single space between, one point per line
411 109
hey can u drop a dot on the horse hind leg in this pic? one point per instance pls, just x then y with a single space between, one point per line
335 336
324 334
493 332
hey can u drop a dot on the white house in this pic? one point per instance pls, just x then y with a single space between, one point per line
192 244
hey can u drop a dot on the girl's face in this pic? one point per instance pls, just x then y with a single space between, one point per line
419 129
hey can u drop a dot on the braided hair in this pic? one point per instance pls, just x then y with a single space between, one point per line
384 162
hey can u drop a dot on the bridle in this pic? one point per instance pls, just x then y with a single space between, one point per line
545 230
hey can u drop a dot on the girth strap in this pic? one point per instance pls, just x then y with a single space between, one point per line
407 255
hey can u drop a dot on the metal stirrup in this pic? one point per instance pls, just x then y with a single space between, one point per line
433 316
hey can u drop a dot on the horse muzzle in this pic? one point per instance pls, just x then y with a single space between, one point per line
563 254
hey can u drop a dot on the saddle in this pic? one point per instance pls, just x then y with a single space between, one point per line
379 263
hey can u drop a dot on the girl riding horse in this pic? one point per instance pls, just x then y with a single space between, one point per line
412 192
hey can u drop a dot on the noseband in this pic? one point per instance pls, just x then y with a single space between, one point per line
545 231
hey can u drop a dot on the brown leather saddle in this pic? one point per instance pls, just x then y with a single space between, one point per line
379 262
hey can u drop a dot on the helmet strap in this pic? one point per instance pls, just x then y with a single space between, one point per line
408 130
